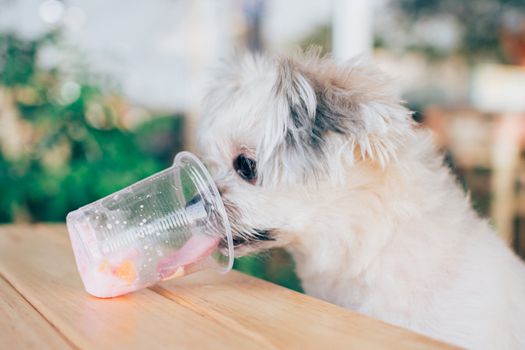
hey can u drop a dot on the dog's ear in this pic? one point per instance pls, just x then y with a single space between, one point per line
330 116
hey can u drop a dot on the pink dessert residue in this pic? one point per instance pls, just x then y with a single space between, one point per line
195 249
128 271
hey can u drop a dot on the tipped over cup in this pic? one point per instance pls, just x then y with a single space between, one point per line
168 225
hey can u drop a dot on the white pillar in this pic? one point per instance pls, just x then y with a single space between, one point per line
352 32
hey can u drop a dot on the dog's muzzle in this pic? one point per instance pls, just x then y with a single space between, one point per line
259 236
255 237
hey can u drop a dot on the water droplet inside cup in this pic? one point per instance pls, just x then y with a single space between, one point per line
109 226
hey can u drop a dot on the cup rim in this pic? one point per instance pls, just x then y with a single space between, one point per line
185 155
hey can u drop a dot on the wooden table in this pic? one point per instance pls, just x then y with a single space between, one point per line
43 306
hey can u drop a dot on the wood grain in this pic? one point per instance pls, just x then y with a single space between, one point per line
39 264
22 327
287 319
204 310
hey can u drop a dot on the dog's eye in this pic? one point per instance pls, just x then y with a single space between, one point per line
245 167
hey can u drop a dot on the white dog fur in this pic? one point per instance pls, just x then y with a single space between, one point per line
348 184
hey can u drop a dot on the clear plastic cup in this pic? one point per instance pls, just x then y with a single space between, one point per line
168 225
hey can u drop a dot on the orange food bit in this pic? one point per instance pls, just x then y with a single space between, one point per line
104 266
126 271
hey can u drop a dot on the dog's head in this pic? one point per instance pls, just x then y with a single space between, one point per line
281 134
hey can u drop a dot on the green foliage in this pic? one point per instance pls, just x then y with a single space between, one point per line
78 150
276 266
17 60
320 36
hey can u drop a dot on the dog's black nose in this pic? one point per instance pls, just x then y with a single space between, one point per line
194 200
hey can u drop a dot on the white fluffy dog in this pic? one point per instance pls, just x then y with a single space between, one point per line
323 160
